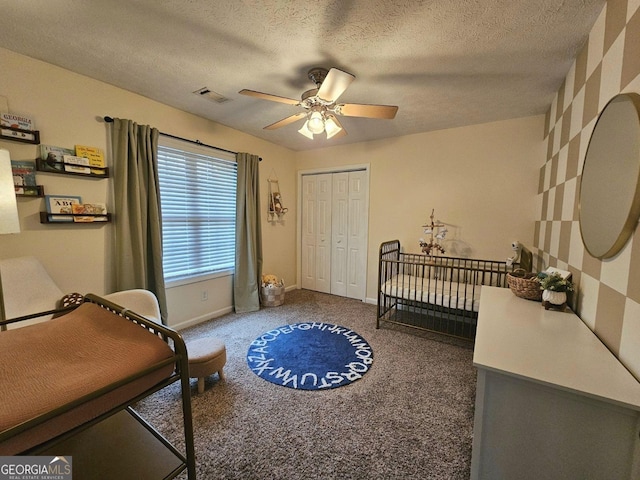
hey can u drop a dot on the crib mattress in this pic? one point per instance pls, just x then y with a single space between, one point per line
49 365
462 296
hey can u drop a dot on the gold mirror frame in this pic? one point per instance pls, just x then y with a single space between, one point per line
609 205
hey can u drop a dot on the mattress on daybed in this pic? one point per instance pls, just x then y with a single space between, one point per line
462 296
48 365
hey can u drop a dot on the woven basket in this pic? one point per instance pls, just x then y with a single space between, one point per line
272 296
524 285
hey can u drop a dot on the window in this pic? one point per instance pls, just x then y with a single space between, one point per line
198 201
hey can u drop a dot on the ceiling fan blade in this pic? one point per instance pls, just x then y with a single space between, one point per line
286 121
268 96
369 111
334 84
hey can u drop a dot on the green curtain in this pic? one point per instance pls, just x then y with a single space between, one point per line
248 271
138 222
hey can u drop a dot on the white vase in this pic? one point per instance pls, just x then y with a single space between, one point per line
555 298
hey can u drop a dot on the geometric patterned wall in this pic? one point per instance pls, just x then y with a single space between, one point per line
608 294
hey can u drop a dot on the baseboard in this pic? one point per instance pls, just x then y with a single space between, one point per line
223 311
202 318
218 313
372 301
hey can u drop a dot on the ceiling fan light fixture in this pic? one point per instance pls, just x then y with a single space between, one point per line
305 131
320 107
316 122
331 127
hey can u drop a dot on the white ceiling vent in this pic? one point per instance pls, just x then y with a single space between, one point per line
211 95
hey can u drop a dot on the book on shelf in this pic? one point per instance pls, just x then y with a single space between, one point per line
15 121
74 160
75 164
77 169
102 172
89 212
94 154
24 173
58 205
52 157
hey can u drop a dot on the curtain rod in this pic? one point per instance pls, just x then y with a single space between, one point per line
197 142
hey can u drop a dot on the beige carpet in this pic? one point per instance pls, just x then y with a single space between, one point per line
410 417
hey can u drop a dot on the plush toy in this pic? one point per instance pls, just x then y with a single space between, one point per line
279 209
269 280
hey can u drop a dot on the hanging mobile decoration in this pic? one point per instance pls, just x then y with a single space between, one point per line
275 207
436 231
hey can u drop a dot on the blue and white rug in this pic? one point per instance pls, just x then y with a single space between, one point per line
310 356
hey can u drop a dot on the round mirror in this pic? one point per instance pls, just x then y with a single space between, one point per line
609 204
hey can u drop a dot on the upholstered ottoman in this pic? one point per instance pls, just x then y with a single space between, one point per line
206 356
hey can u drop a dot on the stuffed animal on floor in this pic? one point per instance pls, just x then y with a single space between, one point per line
269 280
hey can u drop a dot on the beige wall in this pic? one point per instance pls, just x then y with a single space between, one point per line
479 179
65 107
608 297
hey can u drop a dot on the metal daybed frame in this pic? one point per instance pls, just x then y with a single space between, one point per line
186 459
435 293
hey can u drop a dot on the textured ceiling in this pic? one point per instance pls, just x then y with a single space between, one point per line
444 63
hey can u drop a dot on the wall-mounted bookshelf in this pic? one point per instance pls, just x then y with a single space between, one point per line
75 219
60 168
19 135
29 191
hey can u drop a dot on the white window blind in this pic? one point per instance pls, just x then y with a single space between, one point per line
198 202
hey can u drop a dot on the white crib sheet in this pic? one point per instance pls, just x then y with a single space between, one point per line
462 296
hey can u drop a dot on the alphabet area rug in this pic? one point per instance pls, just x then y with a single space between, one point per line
310 356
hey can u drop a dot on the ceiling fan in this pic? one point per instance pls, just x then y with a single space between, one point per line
320 104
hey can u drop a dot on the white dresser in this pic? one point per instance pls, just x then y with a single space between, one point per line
552 402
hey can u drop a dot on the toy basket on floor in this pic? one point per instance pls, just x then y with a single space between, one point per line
272 296
524 285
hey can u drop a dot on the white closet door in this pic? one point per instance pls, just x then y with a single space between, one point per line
357 234
316 233
339 233
309 227
323 237
335 210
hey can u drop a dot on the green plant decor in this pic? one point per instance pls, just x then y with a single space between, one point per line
554 282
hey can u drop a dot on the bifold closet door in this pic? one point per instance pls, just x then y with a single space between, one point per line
316 232
339 233
334 233
358 232
349 220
